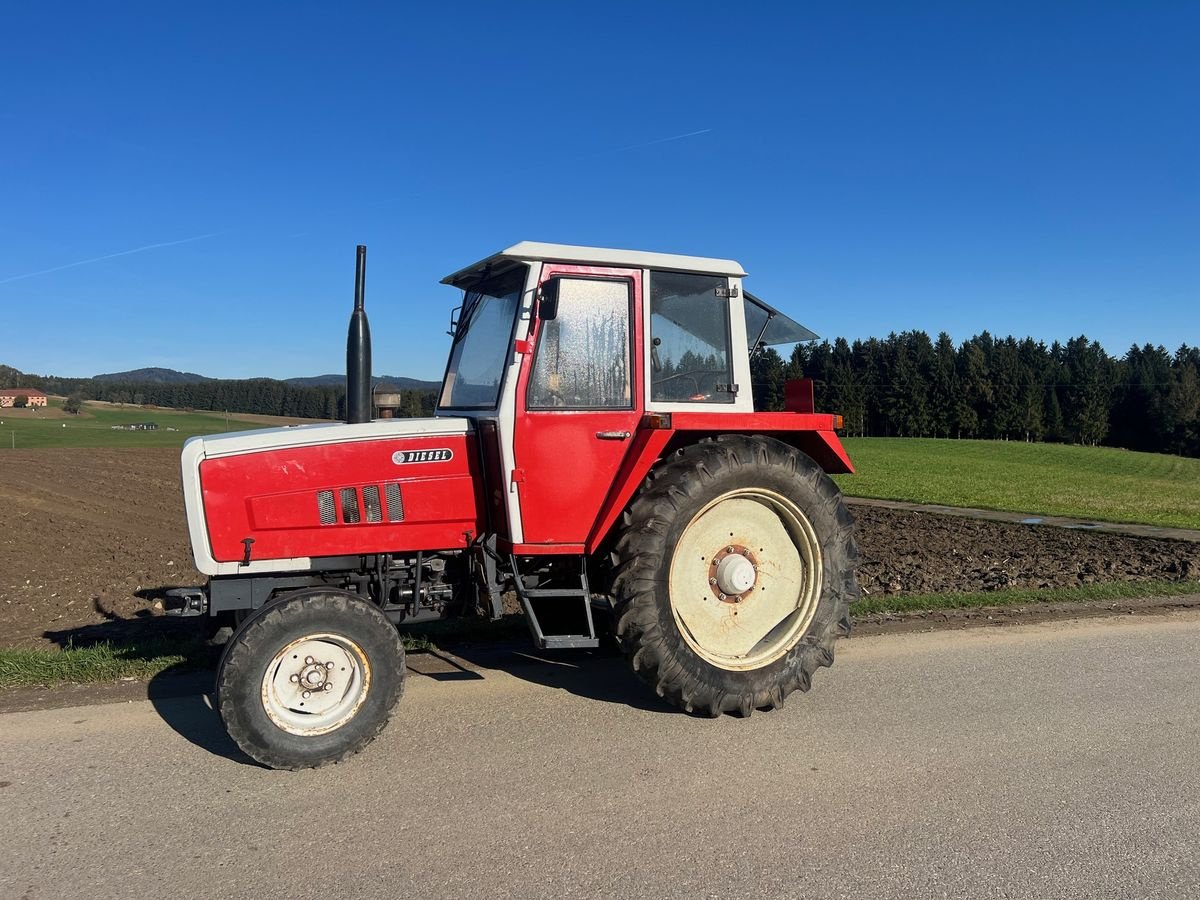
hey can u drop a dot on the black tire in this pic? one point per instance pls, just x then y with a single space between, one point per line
677 492
376 658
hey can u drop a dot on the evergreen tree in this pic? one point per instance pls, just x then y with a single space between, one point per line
943 388
1090 390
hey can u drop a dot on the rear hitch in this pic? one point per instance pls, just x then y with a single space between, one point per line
185 601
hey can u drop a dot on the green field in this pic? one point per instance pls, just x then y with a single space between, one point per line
93 427
1099 483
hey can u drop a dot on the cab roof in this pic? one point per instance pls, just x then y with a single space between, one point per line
770 326
593 256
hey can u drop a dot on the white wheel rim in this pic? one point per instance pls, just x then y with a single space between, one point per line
755 628
316 684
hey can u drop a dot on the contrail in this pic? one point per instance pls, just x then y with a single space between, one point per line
675 137
84 262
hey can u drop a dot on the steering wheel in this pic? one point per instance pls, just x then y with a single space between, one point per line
694 379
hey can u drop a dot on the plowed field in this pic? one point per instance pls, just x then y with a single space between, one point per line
90 538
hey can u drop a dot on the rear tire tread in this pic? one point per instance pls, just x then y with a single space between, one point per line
642 553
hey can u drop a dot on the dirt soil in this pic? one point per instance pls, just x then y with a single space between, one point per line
926 553
87 537
90 539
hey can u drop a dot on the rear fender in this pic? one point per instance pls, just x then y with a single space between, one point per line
651 445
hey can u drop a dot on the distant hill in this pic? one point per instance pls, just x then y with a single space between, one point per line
412 384
10 377
154 376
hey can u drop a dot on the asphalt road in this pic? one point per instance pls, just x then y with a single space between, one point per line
1049 761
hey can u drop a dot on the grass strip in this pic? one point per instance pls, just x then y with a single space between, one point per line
1113 590
105 661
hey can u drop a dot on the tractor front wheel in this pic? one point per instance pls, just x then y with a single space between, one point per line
310 679
734 575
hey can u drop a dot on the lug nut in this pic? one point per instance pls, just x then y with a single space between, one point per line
712 581
295 678
306 694
328 686
308 660
329 665
720 596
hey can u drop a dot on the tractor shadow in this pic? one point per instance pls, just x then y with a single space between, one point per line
185 703
179 693
600 675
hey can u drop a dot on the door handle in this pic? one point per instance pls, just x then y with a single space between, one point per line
614 435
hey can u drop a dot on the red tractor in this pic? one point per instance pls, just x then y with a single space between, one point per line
595 450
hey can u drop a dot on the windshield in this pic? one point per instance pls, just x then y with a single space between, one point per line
483 342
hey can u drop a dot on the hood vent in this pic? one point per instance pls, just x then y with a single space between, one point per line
372 504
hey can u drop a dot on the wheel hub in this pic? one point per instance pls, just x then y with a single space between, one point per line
313 676
315 684
733 572
745 578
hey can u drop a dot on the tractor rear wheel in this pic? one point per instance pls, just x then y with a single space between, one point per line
734 575
310 679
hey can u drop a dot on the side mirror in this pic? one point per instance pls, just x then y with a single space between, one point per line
548 299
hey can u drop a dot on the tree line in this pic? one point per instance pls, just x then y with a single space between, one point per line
907 385
260 396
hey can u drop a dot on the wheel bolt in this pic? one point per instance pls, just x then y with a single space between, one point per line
712 581
720 596
329 665
729 549
328 686
308 660
306 694
295 678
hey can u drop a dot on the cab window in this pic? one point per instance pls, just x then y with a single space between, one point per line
583 356
690 358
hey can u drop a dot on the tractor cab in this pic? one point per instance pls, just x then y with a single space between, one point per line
689 344
559 353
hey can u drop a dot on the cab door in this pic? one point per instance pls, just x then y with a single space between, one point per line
579 402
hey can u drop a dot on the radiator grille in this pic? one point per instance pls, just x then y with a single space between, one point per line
395 503
326 507
371 503
350 511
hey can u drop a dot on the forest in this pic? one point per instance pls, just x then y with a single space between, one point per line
907 385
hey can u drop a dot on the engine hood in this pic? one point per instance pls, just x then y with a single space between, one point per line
323 433
417 481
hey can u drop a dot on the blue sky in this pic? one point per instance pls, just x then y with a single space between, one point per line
1018 167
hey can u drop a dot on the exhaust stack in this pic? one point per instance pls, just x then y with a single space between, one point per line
358 350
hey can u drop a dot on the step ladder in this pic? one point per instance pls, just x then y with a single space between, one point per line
560 599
